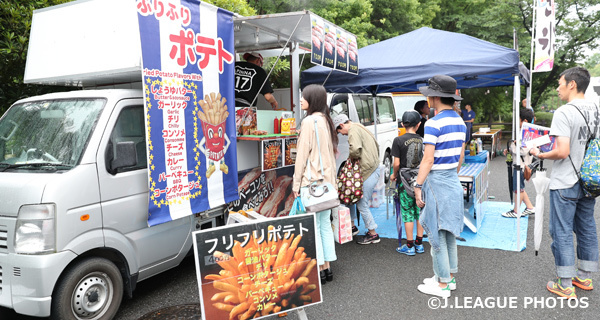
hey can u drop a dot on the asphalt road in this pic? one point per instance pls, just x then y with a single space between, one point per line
375 282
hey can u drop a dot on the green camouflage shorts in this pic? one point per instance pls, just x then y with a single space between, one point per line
408 205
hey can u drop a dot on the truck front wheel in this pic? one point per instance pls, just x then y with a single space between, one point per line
91 289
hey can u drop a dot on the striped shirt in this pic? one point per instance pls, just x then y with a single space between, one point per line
447 132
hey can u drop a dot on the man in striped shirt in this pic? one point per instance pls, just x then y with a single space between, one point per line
438 190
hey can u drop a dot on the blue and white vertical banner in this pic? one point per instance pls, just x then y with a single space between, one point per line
544 36
188 74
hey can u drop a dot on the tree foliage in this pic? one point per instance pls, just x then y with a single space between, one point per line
577 29
15 25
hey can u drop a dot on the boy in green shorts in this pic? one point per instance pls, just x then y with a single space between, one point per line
407 151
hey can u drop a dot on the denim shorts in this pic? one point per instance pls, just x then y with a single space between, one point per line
515 180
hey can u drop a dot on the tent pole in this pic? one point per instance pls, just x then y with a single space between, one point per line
517 158
375 113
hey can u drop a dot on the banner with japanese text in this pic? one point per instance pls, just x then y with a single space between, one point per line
544 36
187 69
256 269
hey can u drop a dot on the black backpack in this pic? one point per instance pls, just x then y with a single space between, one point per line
408 176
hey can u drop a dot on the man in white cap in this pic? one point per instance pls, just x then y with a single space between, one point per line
362 146
250 79
438 190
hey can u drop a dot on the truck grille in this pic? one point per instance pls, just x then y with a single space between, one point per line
1 280
3 239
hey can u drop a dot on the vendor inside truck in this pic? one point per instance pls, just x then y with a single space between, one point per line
249 77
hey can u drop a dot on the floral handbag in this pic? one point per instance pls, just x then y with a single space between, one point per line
350 182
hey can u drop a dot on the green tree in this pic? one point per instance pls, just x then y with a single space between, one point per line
577 30
236 6
15 25
593 65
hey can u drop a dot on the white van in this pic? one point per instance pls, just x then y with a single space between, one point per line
74 234
405 101
359 109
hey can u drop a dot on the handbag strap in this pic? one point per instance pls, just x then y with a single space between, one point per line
319 149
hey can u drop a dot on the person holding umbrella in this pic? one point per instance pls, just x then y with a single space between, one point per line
526 115
570 210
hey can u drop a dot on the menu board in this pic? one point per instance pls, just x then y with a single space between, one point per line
257 269
332 46
190 121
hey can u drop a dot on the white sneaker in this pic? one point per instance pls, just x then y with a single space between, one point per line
433 280
435 290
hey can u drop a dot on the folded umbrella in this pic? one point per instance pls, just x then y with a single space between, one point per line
509 163
541 183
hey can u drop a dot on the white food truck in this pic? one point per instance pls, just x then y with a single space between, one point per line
74 234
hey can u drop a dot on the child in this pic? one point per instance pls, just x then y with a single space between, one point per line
526 115
408 152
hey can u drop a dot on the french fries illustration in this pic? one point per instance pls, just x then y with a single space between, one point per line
214 109
276 278
215 142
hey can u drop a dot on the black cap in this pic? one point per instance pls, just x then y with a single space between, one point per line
410 118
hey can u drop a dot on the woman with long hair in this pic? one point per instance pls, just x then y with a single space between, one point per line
310 152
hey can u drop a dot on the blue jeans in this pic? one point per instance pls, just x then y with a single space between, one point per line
324 238
363 204
445 261
571 212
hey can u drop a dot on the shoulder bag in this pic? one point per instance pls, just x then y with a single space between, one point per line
350 182
318 195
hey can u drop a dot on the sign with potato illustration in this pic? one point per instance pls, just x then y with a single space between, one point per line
253 270
190 119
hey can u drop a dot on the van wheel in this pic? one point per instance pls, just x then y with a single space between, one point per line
387 162
92 289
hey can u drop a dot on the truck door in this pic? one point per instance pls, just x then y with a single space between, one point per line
124 197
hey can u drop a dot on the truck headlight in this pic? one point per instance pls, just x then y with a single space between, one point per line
35 231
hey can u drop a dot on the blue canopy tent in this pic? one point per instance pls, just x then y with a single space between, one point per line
405 62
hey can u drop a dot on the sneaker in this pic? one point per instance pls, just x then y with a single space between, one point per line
510 214
354 230
369 238
435 290
556 288
406 250
433 280
584 284
419 248
528 212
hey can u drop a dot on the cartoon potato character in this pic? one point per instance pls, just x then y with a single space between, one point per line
215 142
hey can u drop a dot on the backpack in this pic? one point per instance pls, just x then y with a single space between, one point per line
589 172
408 176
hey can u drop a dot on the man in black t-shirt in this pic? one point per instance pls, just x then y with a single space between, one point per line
249 77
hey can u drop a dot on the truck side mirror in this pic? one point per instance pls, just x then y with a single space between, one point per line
125 156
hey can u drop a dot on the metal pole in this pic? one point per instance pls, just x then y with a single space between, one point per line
375 113
516 97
